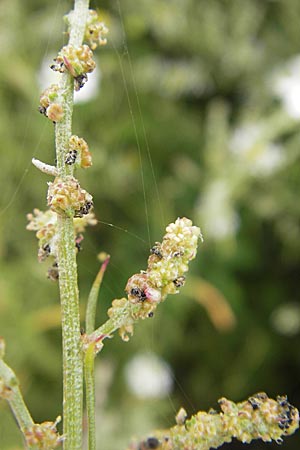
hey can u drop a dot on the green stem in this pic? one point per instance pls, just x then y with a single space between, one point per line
92 299
89 372
15 398
72 353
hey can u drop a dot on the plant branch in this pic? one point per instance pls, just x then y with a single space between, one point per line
10 384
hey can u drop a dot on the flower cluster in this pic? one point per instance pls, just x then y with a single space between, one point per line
259 417
45 225
79 147
96 30
49 103
77 61
167 264
66 197
43 435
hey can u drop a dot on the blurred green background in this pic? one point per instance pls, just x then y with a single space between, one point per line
210 92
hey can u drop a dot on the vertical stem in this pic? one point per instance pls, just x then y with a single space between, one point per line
89 373
72 354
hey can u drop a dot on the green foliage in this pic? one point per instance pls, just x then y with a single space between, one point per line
199 76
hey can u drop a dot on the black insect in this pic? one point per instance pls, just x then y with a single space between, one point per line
42 110
53 273
179 282
254 403
139 293
84 209
156 250
150 443
71 157
177 254
80 81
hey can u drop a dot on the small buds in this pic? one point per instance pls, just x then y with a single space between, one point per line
96 30
44 435
167 263
268 420
55 112
83 156
50 105
45 225
77 61
66 197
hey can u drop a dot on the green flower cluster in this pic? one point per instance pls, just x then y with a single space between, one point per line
167 264
259 417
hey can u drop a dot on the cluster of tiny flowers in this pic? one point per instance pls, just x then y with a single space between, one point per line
67 198
43 436
77 61
79 147
49 105
167 264
96 30
259 417
45 225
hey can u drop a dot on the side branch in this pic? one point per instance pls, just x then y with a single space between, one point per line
259 417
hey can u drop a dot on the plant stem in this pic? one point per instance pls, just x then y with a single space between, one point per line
15 399
72 353
89 373
93 297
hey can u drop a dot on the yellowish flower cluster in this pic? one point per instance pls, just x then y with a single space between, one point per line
79 147
66 197
259 417
77 61
45 225
49 105
43 435
96 30
167 264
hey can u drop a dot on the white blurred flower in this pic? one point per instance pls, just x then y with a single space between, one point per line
286 319
259 157
286 85
244 138
267 160
218 218
46 77
148 375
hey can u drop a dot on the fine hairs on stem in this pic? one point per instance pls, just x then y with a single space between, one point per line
59 232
